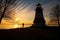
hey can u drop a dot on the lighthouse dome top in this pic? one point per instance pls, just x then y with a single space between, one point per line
38 5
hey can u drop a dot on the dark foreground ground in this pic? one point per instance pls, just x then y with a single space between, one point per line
30 34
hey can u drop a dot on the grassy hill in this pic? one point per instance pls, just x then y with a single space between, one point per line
29 34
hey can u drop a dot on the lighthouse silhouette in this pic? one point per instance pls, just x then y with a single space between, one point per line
39 18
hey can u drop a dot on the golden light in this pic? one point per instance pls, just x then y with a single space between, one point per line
16 19
16 26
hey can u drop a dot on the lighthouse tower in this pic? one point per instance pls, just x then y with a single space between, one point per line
39 18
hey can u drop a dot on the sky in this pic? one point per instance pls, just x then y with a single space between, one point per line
24 10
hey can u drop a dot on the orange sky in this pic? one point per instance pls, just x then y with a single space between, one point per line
26 14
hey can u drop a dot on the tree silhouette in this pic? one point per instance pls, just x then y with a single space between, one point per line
55 13
4 4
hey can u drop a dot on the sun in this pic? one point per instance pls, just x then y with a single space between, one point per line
16 19
16 25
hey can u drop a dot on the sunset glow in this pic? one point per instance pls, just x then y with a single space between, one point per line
16 26
23 11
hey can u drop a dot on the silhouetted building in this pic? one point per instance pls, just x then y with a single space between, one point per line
39 18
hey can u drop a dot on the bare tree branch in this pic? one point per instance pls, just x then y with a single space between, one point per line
4 4
55 13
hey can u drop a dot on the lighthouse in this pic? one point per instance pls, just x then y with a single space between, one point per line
39 18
